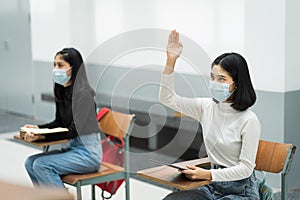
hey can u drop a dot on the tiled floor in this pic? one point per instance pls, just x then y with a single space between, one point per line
12 169
13 154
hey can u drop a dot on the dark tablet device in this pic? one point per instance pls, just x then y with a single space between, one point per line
169 164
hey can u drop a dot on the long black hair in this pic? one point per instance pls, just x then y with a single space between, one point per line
236 66
78 77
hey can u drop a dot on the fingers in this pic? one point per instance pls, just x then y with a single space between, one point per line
191 167
174 47
170 37
26 136
180 45
27 125
174 37
196 173
29 136
190 171
30 126
191 176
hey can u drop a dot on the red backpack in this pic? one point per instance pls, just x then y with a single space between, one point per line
112 152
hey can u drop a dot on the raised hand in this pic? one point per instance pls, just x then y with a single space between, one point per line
174 47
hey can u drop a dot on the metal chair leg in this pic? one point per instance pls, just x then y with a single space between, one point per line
93 192
78 190
284 187
46 148
127 186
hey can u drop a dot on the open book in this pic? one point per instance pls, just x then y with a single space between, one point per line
41 130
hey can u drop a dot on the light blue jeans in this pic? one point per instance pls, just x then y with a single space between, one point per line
245 189
83 155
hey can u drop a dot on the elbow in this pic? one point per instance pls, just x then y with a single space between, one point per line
162 98
165 101
248 170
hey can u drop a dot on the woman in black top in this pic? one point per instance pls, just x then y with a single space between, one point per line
75 110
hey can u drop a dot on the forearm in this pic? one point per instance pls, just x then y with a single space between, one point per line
170 64
60 136
53 124
207 175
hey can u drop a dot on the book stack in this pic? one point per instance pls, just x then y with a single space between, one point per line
38 131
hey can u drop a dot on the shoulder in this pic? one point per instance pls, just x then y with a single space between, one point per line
83 93
205 101
83 96
249 114
250 118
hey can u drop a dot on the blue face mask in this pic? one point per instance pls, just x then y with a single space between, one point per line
60 76
219 91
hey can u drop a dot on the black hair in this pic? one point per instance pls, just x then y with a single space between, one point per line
236 66
74 58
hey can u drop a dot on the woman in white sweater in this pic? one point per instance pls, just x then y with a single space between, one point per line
230 130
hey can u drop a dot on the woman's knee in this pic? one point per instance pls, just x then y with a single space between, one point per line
181 195
196 194
29 162
40 164
170 196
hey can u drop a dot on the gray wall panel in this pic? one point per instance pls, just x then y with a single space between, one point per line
292 132
15 57
269 108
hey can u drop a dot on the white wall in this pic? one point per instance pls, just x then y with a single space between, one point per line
216 26
265 43
50 27
292 46
263 31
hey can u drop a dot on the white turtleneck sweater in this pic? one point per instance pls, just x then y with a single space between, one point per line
231 137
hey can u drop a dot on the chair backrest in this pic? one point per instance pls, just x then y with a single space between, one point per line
116 124
274 157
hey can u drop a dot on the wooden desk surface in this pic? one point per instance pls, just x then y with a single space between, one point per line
172 177
13 191
41 143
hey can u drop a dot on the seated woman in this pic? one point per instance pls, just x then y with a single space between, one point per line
75 110
231 130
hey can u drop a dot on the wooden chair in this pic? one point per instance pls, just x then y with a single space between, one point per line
118 125
275 158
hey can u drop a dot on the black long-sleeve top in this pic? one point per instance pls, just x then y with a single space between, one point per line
79 118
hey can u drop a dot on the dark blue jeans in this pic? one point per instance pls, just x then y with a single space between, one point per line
241 189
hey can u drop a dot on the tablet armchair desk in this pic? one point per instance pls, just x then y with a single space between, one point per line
171 177
44 144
